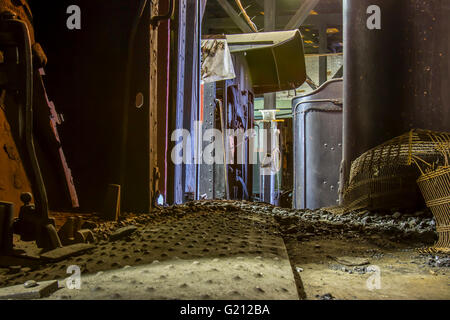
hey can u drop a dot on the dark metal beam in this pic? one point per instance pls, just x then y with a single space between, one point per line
235 16
311 83
261 3
331 19
269 15
176 180
190 91
203 7
302 13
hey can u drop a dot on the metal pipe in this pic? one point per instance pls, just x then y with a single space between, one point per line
246 17
156 19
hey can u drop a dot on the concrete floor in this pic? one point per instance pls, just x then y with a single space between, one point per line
401 273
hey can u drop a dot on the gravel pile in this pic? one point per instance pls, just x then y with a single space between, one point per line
439 261
301 224
420 222
305 224
351 270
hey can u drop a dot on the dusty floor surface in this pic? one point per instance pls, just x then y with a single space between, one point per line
234 250
393 273
356 260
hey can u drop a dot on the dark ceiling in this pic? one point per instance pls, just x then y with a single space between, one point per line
326 12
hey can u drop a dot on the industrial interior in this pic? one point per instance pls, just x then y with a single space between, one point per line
225 149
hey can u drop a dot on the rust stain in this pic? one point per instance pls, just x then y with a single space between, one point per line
13 180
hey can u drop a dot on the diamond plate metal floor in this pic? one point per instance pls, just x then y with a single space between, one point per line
223 254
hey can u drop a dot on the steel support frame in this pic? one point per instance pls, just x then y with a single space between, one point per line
175 193
207 176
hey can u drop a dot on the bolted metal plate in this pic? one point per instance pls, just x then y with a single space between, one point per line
318 146
207 183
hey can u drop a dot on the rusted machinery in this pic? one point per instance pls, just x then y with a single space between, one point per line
228 105
118 119
23 91
108 102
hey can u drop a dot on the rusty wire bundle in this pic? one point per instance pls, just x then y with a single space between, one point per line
385 177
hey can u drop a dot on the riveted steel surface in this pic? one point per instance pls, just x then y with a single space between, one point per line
317 146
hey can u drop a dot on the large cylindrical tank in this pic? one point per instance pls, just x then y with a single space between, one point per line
317 146
397 77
